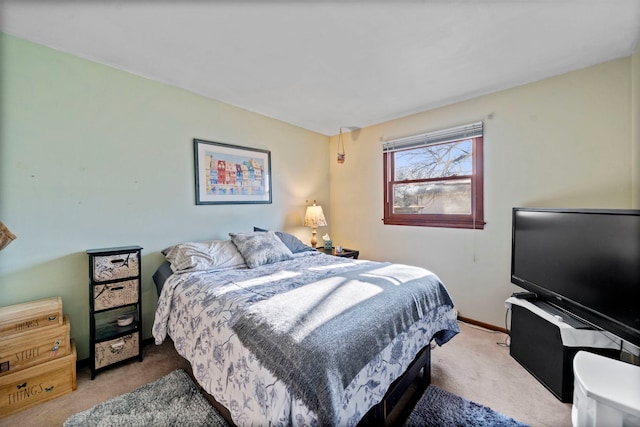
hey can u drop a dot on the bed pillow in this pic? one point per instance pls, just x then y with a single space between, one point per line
204 256
260 248
292 242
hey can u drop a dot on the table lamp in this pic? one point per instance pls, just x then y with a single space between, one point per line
314 218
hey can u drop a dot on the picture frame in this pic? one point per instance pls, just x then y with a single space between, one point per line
231 174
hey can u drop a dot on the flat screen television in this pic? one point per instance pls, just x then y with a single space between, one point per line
584 261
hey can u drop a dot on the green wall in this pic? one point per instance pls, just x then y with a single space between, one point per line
94 157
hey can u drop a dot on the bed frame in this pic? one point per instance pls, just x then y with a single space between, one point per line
378 415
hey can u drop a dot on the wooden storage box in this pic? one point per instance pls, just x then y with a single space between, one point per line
24 389
30 315
32 347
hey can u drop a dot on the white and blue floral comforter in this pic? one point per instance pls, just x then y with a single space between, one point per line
195 311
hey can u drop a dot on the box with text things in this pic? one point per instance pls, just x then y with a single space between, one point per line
26 388
30 316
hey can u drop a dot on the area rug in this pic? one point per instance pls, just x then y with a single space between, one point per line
173 400
438 407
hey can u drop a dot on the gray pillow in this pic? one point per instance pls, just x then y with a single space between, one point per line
292 242
204 256
259 248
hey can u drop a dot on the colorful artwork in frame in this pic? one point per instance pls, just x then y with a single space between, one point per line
229 174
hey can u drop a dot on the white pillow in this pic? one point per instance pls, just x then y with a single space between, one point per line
203 256
259 248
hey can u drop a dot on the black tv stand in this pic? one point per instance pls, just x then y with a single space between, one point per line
537 344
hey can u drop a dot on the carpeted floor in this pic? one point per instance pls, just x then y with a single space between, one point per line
471 365
174 400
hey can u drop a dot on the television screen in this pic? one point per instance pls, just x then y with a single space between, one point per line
585 261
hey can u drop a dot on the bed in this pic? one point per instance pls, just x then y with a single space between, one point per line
283 335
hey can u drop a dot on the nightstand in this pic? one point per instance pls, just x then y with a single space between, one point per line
346 253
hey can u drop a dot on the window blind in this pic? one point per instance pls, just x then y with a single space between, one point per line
472 130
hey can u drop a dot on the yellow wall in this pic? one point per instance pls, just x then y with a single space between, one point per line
93 157
562 142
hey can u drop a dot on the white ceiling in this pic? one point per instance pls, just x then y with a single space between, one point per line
323 65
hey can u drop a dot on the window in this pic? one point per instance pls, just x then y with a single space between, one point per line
435 179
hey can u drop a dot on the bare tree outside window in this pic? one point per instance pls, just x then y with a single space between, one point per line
435 185
432 163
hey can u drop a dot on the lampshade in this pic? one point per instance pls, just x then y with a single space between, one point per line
314 217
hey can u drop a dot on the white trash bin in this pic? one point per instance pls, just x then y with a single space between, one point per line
606 392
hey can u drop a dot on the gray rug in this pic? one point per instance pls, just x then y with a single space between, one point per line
173 400
438 407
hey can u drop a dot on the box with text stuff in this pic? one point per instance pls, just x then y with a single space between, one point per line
28 387
34 346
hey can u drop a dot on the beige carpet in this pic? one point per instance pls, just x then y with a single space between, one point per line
472 365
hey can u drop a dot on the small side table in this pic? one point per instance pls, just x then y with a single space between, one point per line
115 306
346 253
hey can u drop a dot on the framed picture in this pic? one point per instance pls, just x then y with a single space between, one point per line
229 174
